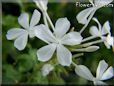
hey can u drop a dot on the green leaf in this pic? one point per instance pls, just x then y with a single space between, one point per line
25 63
38 78
56 80
10 75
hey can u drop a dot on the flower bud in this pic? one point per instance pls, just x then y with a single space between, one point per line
91 48
46 69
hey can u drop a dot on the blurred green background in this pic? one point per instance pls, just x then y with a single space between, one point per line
22 67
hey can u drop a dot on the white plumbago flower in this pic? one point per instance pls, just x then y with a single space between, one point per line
20 35
102 32
56 41
102 73
42 4
84 15
109 41
46 69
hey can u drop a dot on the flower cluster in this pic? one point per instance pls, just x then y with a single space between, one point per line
61 40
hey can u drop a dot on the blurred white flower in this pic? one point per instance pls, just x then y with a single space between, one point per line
46 69
20 35
102 73
102 32
57 40
42 4
84 15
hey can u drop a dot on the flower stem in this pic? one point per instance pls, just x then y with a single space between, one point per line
91 43
49 20
45 20
80 50
89 38
77 55
74 64
84 27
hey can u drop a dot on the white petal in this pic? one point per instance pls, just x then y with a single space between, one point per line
109 73
14 33
82 17
99 83
61 27
43 33
94 31
99 25
35 18
24 20
21 41
45 53
84 72
101 3
107 45
46 69
106 28
64 56
72 38
110 40
101 69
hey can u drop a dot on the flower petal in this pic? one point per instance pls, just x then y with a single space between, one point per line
101 69
72 38
64 56
99 83
106 28
107 45
24 20
61 27
82 17
94 31
43 33
84 72
14 33
109 73
21 41
45 53
35 18
99 25
108 41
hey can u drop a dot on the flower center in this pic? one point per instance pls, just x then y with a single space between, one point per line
31 33
58 41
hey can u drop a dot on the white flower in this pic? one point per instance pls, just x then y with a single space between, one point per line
56 41
20 35
84 15
46 69
42 4
102 73
102 32
109 41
